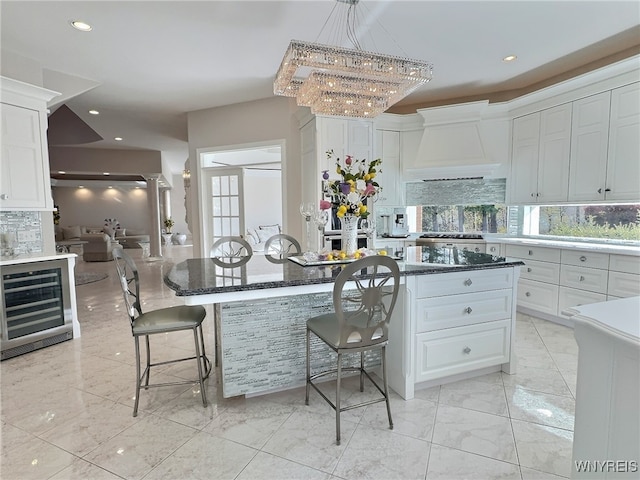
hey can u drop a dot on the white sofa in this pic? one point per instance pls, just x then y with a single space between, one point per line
257 237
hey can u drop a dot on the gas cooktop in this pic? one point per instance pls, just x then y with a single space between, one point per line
445 235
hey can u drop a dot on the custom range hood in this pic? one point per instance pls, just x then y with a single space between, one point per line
460 141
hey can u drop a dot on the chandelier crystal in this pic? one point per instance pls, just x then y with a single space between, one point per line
334 80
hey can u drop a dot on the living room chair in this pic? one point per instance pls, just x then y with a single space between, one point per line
364 295
164 320
278 247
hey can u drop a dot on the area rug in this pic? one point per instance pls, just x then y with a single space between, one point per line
84 278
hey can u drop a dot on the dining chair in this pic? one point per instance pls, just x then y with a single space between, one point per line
278 247
364 296
231 251
163 320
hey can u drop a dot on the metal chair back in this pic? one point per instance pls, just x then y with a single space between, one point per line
278 247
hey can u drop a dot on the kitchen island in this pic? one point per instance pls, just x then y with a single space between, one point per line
455 317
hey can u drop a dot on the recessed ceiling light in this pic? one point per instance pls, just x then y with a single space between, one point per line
110 186
509 58
80 25
94 112
118 139
62 172
106 173
80 186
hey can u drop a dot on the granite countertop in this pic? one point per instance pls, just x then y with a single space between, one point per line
200 276
567 244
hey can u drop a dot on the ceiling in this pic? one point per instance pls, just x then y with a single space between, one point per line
146 64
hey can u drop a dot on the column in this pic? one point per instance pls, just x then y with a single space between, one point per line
153 197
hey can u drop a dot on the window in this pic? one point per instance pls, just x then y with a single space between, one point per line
609 223
462 218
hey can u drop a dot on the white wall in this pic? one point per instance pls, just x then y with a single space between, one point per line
90 206
262 198
267 120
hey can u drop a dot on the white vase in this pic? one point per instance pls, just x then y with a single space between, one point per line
179 238
349 234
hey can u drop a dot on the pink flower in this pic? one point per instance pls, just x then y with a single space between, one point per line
370 190
325 205
348 160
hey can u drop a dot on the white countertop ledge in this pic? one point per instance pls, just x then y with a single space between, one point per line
34 257
618 318
589 247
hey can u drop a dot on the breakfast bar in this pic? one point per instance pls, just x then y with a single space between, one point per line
455 317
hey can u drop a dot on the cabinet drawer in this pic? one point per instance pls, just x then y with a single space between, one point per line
456 350
623 285
571 297
533 253
437 313
540 271
624 263
538 296
493 249
463 282
590 279
585 259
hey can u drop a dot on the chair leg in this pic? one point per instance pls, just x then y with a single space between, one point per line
206 364
339 370
306 398
386 385
148 360
138 378
362 371
199 362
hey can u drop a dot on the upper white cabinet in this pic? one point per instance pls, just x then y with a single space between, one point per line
388 149
345 137
605 146
589 144
623 162
24 162
540 164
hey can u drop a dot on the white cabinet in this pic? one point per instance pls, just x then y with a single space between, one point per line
540 159
345 137
388 149
623 165
624 276
463 321
589 146
24 162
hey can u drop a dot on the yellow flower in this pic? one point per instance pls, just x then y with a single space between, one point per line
367 177
363 209
382 252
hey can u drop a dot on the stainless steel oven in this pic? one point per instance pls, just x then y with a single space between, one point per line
34 297
473 242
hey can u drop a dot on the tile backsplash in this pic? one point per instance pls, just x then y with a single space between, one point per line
20 233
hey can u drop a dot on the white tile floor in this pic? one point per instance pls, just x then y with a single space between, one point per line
66 412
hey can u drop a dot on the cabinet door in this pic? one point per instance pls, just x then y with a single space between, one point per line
333 136
623 165
553 160
22 177
524 162
360 139
589 146
388 150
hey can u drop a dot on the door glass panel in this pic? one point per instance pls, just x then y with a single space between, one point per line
235 226
235 207
217 208
233 185
215 185
224 185
226 211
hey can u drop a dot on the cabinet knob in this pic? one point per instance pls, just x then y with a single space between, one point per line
530 252
468 310
599 190
467 350
527 294
533 194
581 278
607 189
468 282
529 269
492 249
583 258
4 196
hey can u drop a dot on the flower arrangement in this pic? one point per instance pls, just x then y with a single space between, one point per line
168 224
356 185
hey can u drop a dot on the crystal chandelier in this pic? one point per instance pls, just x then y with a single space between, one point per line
344 81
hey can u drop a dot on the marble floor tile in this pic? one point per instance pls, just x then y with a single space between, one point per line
204 457
530 474
367 456
81 469
543 408
263 465
135 451
450 464
534 357
431 394
35 460
538 379
414 418
543 448
475 395
475 432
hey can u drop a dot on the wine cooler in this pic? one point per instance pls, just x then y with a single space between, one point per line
33 307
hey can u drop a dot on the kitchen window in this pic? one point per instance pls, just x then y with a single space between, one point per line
619 223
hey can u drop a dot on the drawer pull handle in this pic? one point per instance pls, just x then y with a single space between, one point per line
467 350
583 258
468 310
468 282
527 294
529 269
4 196
581 278
530 252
